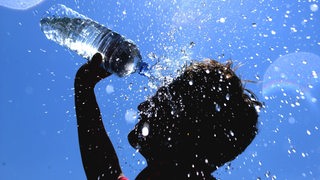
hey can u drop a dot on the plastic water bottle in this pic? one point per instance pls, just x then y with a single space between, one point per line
86 37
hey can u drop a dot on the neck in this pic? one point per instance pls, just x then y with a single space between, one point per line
165 169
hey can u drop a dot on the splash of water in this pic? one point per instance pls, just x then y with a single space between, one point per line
165 68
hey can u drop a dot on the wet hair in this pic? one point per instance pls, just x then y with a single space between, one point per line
212 118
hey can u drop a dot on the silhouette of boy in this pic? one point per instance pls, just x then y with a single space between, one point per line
188 129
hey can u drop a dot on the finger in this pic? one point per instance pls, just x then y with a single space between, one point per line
96 63
103 74
96 59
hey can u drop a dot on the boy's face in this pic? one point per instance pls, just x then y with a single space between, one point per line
153 132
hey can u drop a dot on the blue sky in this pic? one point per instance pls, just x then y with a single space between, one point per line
276 42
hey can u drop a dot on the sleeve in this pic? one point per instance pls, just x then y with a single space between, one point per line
122 178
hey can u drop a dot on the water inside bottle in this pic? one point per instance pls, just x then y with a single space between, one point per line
55 30
70 29
87 37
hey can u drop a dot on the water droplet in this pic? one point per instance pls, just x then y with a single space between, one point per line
109 89
293 29
308 132
254 25
130 116
145 130
222 20
267 174
206 161
227 96
315 75
231 133
218 108
314 7
291 120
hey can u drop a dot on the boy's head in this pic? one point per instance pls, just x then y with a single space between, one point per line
204 117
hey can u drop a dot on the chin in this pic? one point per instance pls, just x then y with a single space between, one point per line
133 139
139 143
